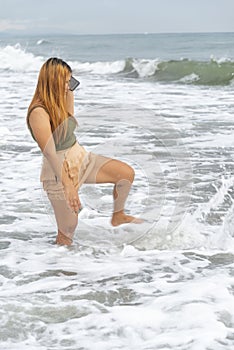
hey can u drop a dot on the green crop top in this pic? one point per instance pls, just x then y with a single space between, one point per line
70 138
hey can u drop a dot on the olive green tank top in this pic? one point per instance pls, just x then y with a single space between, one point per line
66 142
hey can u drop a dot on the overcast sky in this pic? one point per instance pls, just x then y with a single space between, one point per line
116 16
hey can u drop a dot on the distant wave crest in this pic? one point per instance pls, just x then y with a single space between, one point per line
43 42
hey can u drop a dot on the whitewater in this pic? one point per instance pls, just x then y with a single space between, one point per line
166 284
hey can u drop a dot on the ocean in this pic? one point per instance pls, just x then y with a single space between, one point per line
164 104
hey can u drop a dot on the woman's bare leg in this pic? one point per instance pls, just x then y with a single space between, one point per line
122 176
66 220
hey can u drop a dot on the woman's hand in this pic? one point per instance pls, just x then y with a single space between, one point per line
71 193
72 197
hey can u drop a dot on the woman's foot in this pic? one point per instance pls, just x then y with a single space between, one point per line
61 239
120 218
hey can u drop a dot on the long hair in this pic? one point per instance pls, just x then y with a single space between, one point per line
50 94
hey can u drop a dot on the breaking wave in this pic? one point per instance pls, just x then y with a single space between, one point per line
184 71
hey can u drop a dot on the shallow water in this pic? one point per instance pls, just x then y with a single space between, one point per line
165 284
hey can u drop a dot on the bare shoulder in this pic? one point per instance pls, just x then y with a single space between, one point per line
40 126
39 114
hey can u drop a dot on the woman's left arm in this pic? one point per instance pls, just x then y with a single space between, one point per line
70 103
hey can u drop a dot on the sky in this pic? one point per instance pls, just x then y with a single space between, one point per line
115 16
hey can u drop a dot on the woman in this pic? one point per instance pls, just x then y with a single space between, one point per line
66 164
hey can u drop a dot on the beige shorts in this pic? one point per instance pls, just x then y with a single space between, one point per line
80 166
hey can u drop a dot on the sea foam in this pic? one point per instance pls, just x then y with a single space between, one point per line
17 59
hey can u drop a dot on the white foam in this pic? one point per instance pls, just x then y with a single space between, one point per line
99 67
191 78
145 68
17 59
5 135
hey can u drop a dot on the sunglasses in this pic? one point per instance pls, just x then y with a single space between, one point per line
73 83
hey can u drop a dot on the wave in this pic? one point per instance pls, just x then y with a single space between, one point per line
100 68
195 72
184 71
43 42
14 58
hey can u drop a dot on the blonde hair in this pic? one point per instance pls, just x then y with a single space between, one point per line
50 94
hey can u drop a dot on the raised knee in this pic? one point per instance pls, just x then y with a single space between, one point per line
131 174
126 172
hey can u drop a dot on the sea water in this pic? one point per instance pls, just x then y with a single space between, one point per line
164 104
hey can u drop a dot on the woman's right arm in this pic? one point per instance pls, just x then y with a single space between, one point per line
40 124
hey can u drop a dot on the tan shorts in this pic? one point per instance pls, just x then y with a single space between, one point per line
79 164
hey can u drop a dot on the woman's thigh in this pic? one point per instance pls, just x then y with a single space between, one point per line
107 170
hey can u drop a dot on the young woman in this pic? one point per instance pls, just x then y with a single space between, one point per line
66 164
